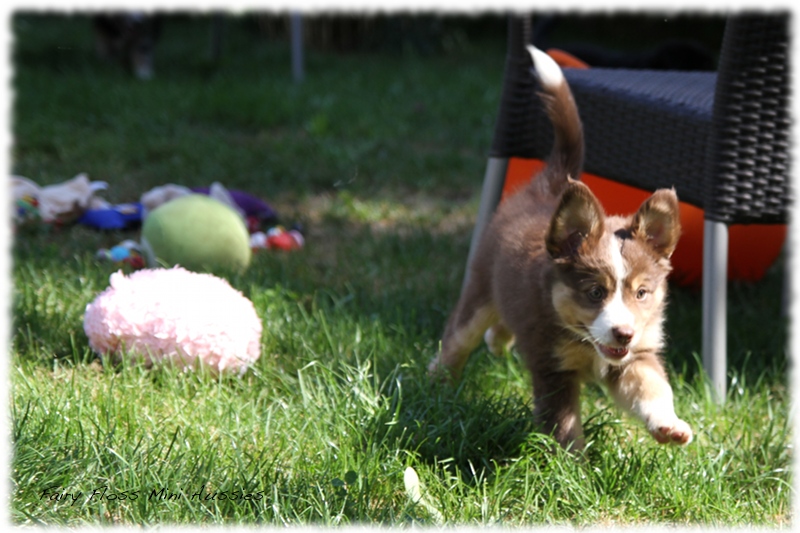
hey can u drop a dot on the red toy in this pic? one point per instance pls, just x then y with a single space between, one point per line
277 238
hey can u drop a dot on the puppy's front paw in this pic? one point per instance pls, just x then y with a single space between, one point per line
675 432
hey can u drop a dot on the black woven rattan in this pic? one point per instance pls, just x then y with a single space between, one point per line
514 135
721 139
749 155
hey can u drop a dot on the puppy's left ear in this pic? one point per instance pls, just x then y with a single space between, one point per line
657 222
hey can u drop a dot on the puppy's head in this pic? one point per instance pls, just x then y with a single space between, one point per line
611 271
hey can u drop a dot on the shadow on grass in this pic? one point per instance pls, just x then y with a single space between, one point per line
454 428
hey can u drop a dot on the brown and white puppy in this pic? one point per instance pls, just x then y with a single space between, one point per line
581 294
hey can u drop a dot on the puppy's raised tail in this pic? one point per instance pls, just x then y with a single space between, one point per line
566 158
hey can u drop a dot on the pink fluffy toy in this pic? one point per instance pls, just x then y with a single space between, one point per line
175 315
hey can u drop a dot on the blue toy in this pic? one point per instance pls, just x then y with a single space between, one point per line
121 216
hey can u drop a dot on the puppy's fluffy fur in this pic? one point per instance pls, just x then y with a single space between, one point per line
581 294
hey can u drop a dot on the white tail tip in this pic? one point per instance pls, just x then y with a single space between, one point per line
547 69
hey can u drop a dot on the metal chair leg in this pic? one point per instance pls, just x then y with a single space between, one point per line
788 262
296 30
715 287
492 191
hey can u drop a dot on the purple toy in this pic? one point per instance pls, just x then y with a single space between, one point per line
252 206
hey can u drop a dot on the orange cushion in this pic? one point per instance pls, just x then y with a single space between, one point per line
565 59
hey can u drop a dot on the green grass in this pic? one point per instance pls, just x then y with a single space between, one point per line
380 155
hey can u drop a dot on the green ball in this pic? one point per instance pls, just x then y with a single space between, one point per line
198 233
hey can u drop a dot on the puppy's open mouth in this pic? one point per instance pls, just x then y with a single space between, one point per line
611 353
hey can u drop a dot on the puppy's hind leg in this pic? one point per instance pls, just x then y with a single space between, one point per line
473 315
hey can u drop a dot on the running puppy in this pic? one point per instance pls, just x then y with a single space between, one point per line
581 294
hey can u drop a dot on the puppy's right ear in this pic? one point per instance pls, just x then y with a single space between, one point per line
577 223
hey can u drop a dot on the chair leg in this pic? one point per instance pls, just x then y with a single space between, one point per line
715 287
296 32
492 191
786 299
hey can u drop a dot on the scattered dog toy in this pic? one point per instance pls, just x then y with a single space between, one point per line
27 209
256 212
128 252
61 203
158 316
121 216
277 238
198 233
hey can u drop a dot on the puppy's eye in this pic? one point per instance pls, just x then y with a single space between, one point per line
596 293
642 293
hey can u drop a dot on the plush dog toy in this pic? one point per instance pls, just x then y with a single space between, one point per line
187 318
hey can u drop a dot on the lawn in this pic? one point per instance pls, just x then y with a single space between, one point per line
379 155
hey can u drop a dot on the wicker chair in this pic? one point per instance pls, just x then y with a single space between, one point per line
721 139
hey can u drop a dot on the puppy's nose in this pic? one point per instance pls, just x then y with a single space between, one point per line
623 334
